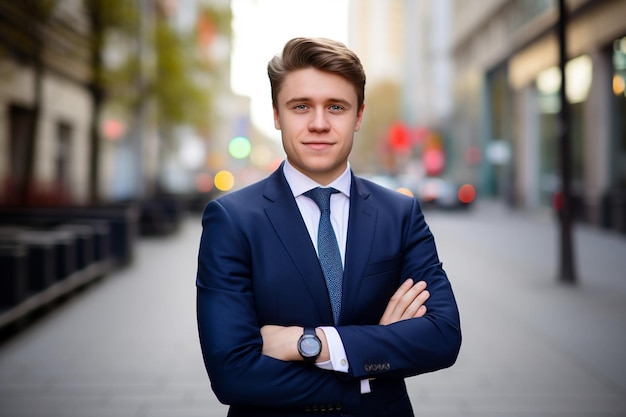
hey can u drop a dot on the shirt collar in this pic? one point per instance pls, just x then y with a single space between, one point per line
300 183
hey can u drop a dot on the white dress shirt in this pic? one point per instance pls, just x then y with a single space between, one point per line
339 214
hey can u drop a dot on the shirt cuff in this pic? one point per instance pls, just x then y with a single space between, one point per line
338 358
365 386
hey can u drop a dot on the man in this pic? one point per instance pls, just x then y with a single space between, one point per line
287 333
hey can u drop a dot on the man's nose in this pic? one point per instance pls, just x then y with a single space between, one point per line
319 121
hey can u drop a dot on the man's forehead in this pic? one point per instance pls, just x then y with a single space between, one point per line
311 84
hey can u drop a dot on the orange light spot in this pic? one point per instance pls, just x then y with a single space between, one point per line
405 191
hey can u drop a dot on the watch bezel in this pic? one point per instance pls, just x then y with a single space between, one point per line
308 335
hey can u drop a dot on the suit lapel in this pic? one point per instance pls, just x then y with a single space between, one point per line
361 226
286 219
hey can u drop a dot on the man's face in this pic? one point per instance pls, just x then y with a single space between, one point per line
317 114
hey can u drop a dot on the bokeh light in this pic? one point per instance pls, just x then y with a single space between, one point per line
204 182
261 155
618 85
467 193
405 191
275 163
113 129
434 161
224 180
239 147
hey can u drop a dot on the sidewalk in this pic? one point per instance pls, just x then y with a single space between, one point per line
127 346
532 347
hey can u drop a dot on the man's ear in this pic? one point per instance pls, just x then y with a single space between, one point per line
359 118
276 119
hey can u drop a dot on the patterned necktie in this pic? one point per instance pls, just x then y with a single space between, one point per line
327 248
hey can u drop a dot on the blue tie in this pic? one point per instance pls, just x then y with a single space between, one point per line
327 248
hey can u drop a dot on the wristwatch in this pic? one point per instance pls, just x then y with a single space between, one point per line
309 345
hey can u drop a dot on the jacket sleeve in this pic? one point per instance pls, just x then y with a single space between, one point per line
414 346
229 332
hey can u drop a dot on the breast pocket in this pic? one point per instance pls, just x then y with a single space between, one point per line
390 267
380 280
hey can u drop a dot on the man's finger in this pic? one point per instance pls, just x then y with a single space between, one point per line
414 309
406 297
397 296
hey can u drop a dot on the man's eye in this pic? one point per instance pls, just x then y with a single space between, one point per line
300 107
336 107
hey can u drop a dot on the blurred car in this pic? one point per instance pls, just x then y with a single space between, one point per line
382 179
438 192
432 192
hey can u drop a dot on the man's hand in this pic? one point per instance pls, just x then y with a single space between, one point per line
406 303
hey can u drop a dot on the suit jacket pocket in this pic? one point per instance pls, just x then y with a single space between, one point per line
386 267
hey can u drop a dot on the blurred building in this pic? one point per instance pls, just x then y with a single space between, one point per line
61 64
505 128
484 75
377 33
405 48
45 102
109 100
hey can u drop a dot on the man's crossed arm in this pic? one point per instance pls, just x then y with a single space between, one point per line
407 302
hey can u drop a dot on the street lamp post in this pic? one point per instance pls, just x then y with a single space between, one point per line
567 273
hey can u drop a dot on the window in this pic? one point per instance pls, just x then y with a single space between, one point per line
62 153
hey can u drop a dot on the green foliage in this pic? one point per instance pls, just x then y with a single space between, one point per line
180 99
107 16
170 79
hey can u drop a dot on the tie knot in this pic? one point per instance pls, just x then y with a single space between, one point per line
321 196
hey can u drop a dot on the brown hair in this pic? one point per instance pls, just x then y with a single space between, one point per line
320 53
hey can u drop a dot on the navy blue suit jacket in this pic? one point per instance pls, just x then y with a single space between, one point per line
257 266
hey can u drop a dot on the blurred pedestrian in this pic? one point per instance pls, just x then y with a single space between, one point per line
319 291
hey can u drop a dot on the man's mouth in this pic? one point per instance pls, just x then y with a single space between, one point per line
318 146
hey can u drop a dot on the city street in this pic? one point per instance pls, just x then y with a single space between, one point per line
127 345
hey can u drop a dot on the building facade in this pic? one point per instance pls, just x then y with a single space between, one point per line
405 48
82 91
45 104
506 102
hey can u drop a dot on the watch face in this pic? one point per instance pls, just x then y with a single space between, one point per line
309 346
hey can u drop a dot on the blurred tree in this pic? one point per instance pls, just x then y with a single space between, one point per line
179 96
188 74
105 17
177 78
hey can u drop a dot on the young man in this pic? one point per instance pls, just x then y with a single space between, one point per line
299 313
